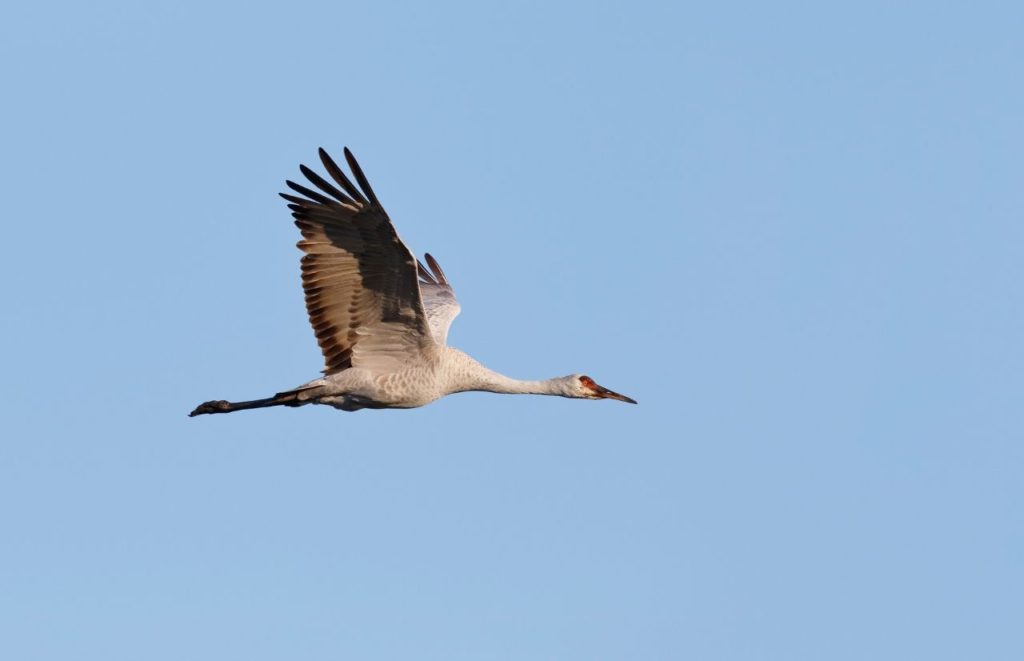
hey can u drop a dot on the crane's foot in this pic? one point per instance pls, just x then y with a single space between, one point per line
213 406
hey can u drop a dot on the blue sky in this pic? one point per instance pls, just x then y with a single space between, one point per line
792 232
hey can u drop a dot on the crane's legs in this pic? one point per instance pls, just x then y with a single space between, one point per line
222 406
298 397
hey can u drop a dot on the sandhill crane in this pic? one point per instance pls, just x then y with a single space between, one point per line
380 316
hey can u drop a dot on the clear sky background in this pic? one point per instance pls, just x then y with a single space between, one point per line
794 233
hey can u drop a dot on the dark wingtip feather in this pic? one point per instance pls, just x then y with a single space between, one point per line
436 268
325 185
311 194
339 176
424 273
360 177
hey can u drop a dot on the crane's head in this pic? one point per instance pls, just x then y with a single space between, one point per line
583 387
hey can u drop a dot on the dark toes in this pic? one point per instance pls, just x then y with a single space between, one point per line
213 406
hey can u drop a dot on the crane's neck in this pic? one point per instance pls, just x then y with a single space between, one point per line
468 374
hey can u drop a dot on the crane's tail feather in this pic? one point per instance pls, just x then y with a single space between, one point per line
289 398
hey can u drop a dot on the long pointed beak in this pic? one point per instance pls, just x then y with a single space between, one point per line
611 394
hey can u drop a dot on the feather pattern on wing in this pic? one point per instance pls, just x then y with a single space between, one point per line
439 300
362 293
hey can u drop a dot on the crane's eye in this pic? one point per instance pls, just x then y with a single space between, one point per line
587 381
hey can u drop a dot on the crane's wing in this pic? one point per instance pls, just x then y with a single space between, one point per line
360 280
439 300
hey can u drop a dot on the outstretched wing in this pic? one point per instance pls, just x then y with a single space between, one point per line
360 280
439 300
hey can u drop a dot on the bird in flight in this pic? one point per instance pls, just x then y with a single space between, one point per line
380 316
